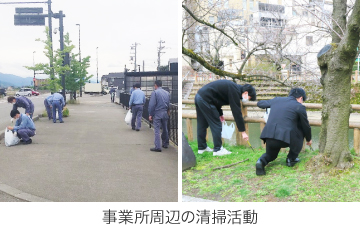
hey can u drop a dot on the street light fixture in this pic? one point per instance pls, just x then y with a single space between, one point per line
79 58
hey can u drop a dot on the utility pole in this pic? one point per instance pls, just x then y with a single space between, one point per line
34 68
143 65
97 66
159 53
134 46
50 15
80 61
65 60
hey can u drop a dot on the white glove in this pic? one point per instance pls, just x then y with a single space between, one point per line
15 134
12 120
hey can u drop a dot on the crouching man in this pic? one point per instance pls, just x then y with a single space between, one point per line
24 126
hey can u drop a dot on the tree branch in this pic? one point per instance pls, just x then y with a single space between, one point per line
208 24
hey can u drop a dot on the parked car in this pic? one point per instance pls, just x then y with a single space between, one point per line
2 92
35 93
24 92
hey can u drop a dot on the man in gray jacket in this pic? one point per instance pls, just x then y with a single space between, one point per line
158 113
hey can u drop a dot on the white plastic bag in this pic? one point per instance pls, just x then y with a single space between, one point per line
10 138
266 115
227 130
128 117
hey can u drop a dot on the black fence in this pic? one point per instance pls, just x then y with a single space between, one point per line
173 119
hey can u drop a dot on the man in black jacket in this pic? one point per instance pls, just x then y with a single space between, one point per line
209 100
287 126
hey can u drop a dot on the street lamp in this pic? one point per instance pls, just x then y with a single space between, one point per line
34 67
97 66
80 60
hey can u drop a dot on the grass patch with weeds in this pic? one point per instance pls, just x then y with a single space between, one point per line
239 183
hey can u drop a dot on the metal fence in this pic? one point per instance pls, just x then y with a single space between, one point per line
172 122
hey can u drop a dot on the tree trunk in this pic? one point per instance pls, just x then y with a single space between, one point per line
336 69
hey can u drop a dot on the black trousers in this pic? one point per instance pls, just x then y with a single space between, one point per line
207 115
273 147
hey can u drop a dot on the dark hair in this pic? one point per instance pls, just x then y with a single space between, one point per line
298 92
134 86
10 99
158 83
13 113
251 91
137 85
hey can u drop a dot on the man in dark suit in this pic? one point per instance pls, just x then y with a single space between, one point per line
209 100
287 126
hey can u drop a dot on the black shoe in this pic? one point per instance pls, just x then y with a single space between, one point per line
165 146
21 141
292 162
133 128
27 142
62 122
154 149
260 168
137 130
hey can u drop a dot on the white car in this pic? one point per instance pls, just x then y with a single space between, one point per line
24 92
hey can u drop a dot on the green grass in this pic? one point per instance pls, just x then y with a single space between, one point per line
239 183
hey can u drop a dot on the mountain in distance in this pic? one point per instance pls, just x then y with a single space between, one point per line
7 80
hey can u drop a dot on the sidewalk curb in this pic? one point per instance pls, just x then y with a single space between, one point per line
15 192
186 198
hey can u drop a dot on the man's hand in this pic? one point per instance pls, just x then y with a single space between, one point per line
245 136
309 143
27 114
222 118
10 128
150 118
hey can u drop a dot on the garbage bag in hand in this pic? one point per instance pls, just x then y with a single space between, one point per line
10 138
128 117
227 130
266 115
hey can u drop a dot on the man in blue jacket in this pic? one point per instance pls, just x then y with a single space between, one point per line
24 126
58 104
136 104
48 106
22 102
287 126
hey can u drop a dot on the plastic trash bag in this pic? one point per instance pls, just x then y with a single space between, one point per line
128 117
227 130
10 138
266 115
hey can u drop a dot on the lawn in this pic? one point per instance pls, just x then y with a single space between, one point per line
239 183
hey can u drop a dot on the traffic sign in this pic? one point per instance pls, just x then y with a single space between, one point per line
29 10
29 20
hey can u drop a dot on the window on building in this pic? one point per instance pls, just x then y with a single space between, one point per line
230 62
264 7
210 2
309 40
244 4
226 4
305 13
251 5
211 20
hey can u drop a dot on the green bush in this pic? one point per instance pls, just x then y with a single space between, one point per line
66 112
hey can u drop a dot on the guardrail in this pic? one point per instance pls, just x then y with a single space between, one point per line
173 118
239 141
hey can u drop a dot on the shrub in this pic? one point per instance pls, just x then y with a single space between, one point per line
66 112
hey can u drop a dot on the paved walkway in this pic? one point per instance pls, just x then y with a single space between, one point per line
93 156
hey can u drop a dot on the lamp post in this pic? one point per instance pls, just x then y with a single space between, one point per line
97 66
34 68
80 60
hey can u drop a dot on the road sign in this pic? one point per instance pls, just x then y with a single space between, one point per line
34 79
29 20
28 10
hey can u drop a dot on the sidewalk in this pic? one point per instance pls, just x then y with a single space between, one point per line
93 156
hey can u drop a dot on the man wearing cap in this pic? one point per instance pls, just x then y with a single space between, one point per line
136 104
159 106
24 126
58 104
22 102
287 126
209 100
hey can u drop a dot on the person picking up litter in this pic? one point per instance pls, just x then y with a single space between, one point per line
24 126
209 100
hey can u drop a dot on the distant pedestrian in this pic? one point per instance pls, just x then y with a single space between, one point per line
112 94
24 127
58 104
159 113
136 104
22 102
48 106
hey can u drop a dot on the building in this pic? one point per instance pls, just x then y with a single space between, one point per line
114 79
